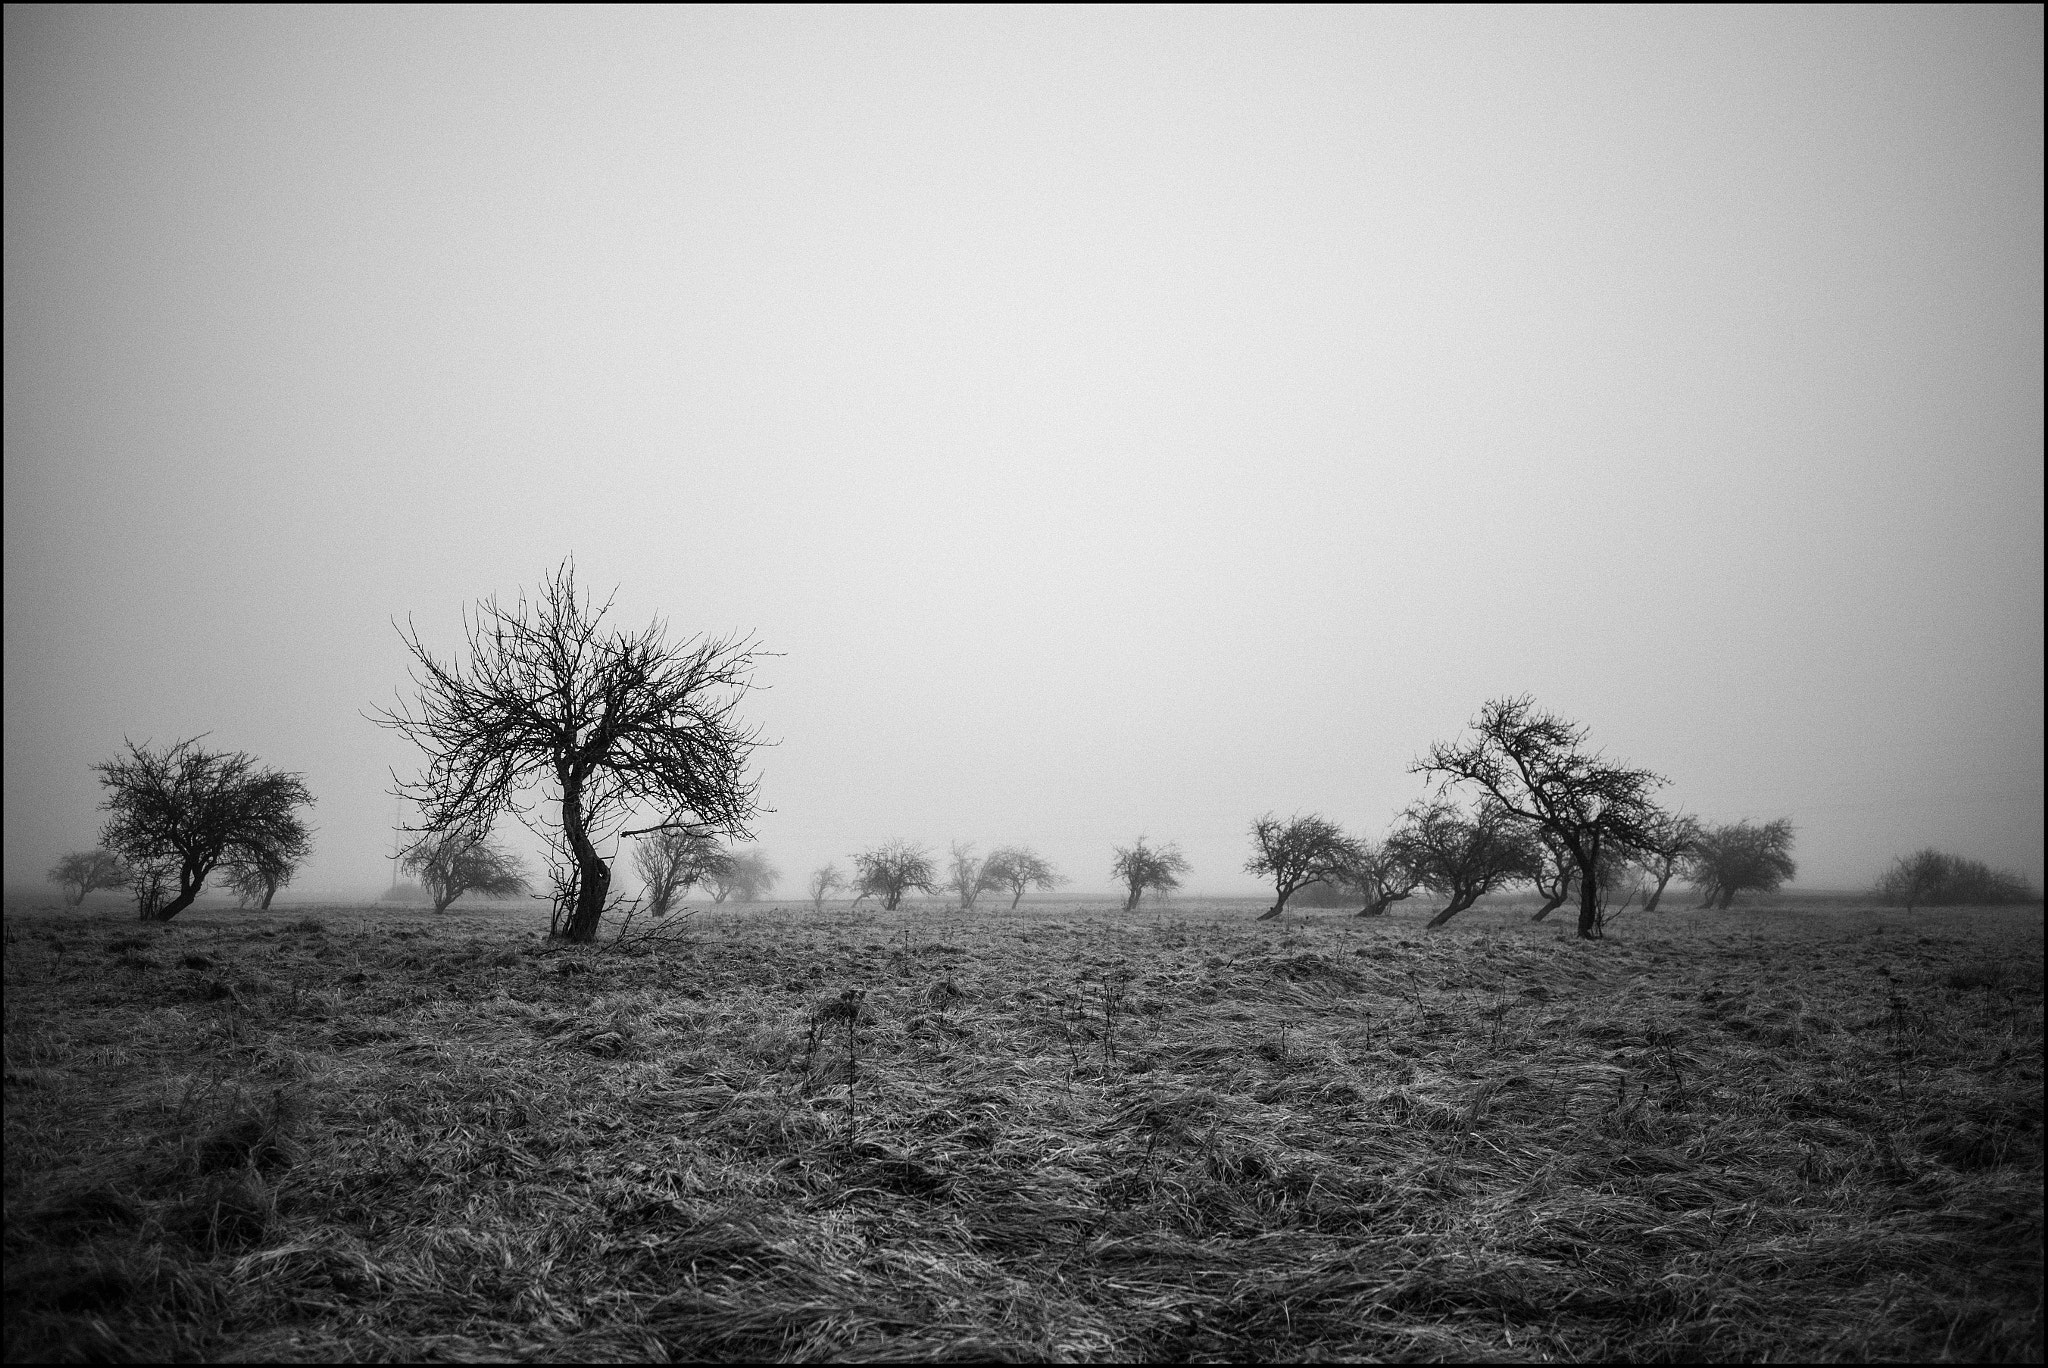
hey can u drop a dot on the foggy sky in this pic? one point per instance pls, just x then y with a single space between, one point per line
1120 420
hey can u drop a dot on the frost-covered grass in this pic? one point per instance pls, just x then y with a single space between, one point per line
1800 1132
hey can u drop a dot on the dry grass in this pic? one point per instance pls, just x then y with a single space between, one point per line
1793 1133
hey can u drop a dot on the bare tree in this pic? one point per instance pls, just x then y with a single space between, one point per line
1534 764
452 863
1013 869
1139 868
1726 860
604 723
825 881
1554 873
751 877
1463 858
890 871
259 870
963 874
1930 878
187 811
1296 853
1383 875
671 862
1667 839
80 872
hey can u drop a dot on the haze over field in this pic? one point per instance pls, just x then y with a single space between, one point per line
1119 421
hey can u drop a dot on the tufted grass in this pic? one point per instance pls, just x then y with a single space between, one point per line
1808 1131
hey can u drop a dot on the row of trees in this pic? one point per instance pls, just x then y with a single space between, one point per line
612 726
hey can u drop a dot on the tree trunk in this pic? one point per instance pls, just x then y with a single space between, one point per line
1459 902
1014 901
1131 903
1279 906
1651 905
1589 903
594 877
1378 906
1727 899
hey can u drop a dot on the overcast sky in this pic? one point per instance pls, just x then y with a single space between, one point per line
1120 420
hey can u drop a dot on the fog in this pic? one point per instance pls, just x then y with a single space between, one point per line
1118 422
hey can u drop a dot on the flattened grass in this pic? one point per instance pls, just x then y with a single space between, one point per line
1058 1133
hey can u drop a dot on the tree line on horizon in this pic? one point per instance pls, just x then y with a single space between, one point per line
609 724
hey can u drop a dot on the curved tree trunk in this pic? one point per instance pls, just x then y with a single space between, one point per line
1459 902
1014 901
594 876
1131 903
1658 892
1378 906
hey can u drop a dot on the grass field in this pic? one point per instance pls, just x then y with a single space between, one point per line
1804 1131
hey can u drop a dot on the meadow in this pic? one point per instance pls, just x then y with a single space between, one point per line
1803 1130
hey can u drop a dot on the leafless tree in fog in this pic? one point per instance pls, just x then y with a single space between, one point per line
80 872
1013 869
1667 839
260 869
1741 856
1930 878
825 881
1139 867
452 863
742 875
890 871
1535 765
185 811
671 862
1463 858
1382 874
963 874
604 723
1554 874
1296 853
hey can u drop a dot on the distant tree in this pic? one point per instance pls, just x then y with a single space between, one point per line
1381 873
184 811
1139 868
1930 878
671 862
825 882
1296 853
259 870
1725 860
1665 842
1535 765
604 722
742 875
1462 858
963 874
890 871
452 863
1013 869
753 876
1554 873
80 872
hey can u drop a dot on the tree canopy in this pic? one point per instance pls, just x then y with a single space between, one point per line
1015 869
1140 868
890 871
1298 852
82 871
1742 856
452 863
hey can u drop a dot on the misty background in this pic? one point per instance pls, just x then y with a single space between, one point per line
1119 420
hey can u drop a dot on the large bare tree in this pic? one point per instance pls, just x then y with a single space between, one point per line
185 811
1464 857
1296 853
825 881
602 724
742 875
963 874
1535 765
1141 867
1668 840
82 871
452 863
1013 869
